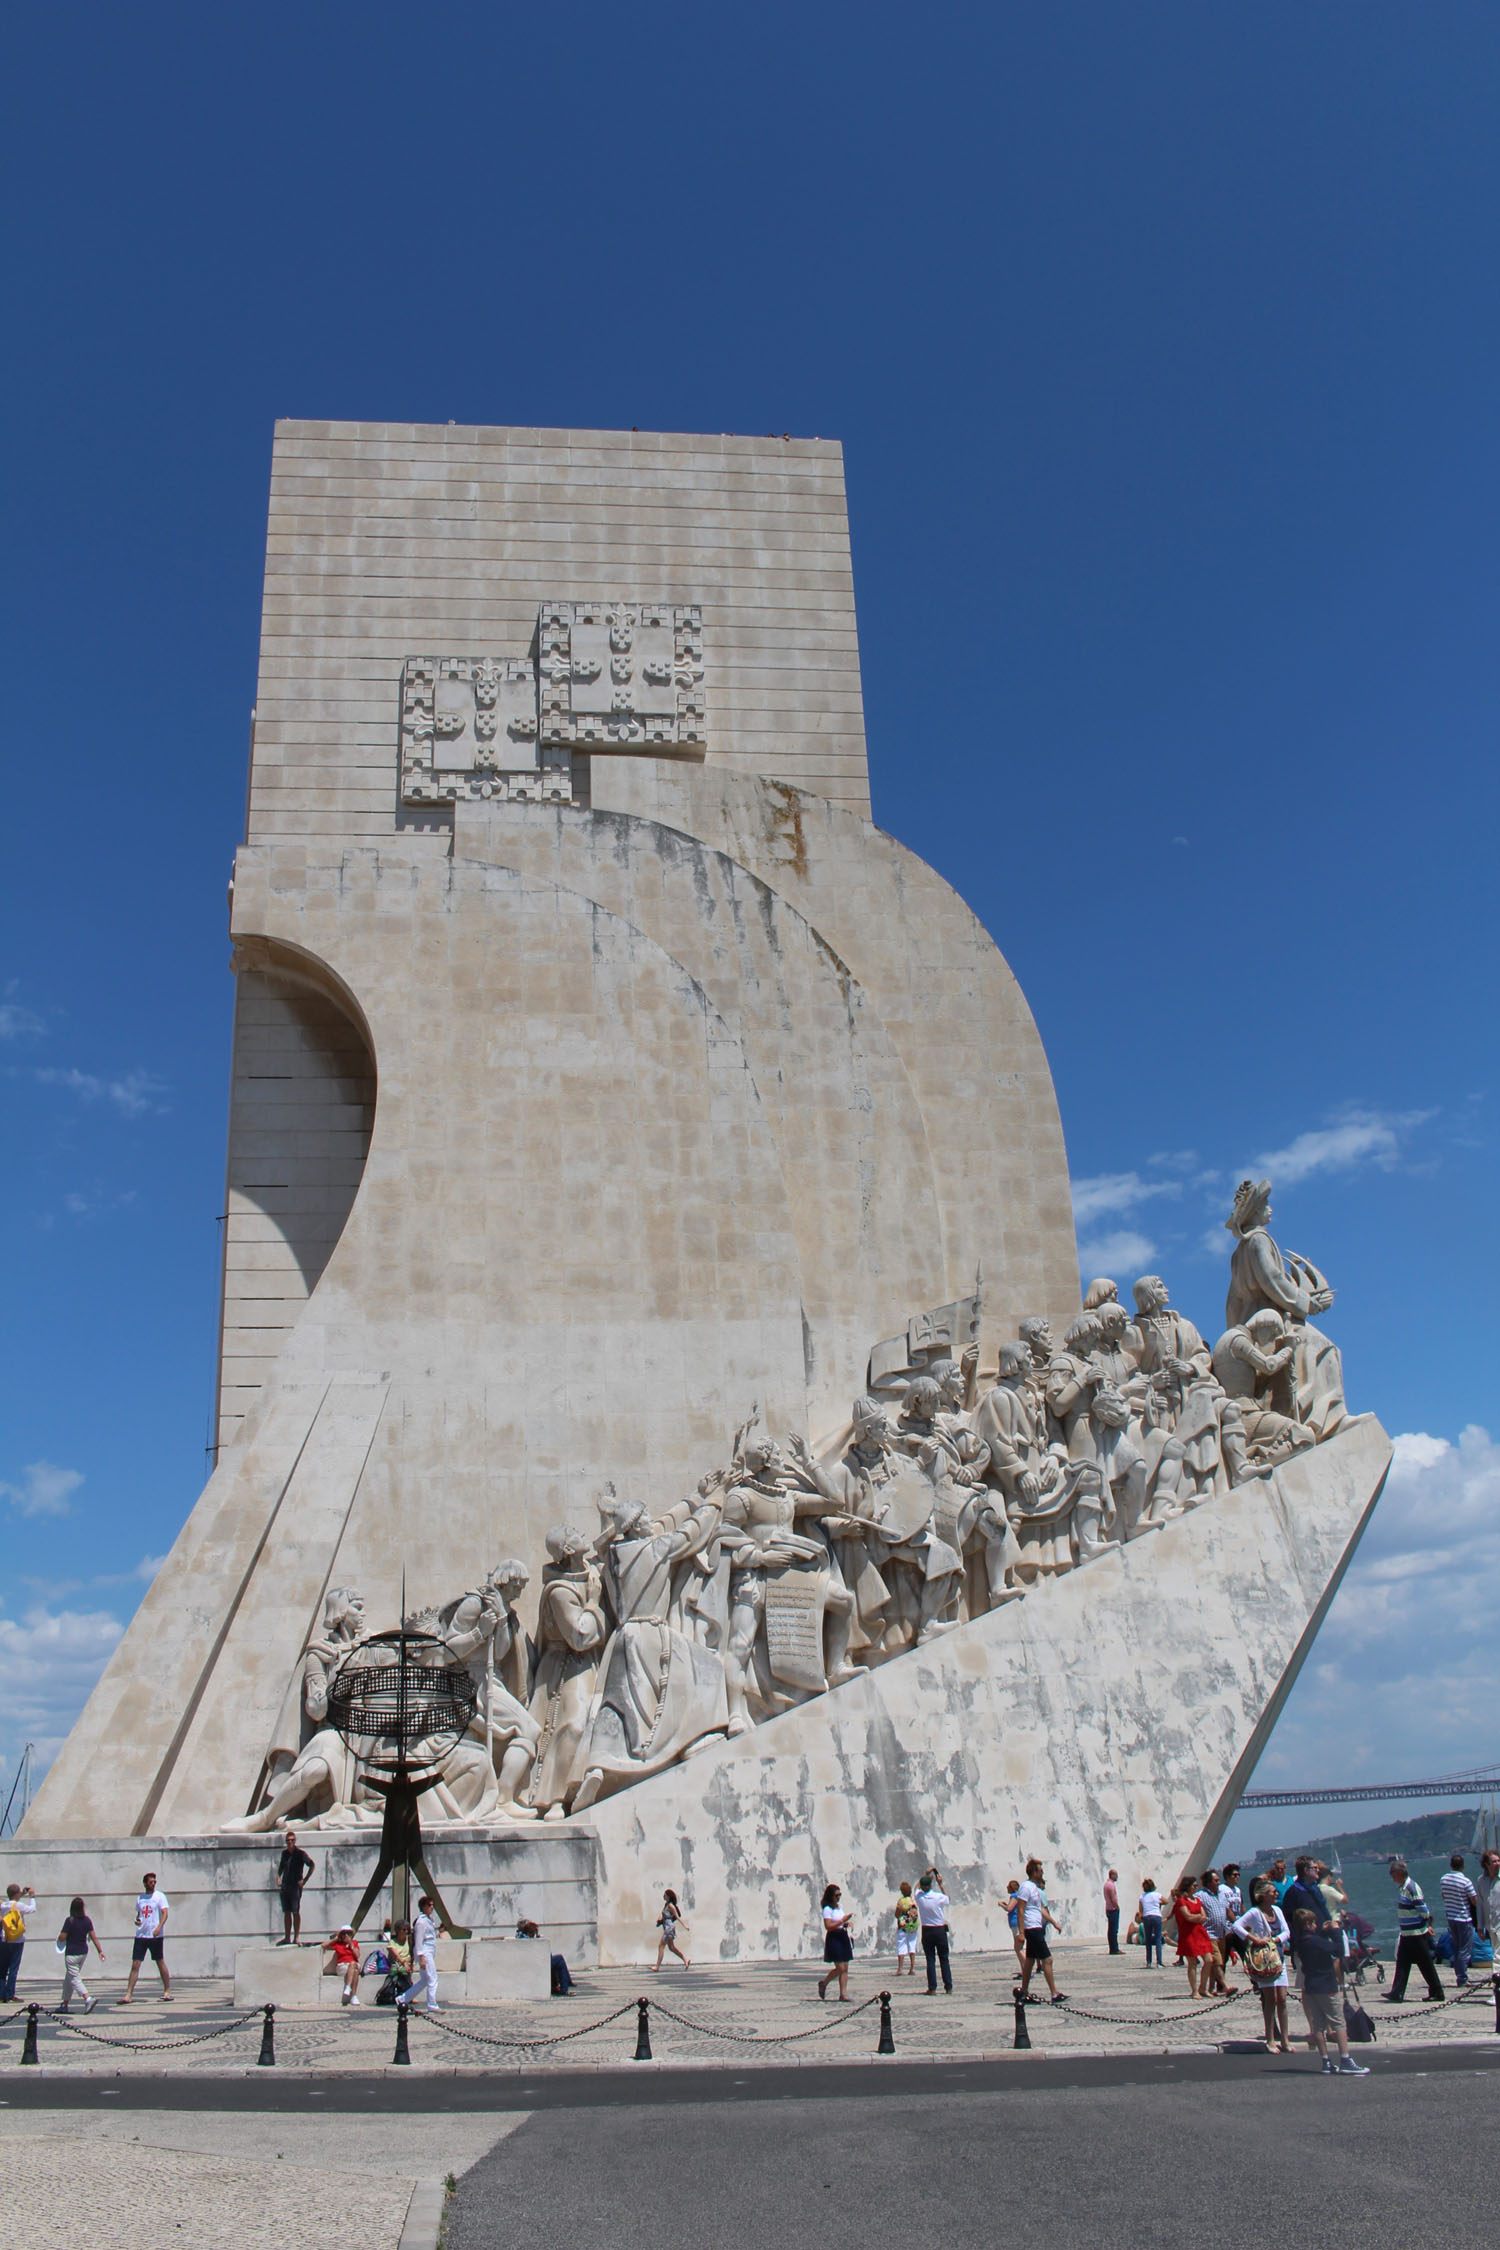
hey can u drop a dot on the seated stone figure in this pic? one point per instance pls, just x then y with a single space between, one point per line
315 1778
1251 1361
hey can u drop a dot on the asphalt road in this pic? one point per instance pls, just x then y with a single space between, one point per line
1205 2160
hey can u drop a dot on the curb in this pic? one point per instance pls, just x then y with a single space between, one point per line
424 2216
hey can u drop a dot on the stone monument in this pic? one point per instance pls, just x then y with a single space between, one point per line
649 1244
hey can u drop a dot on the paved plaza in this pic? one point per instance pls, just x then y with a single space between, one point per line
740 2016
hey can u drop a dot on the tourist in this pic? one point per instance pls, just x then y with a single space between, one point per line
1214 1901
1012 1905
19 1906
1112 1909
1036 1915
1234 1907
1461 1906
669 1921
1320 1957
932 1913
561 1976
424 1939
838 1948
1276 1875
1303 1896
908 1922
391 1961
74 1938
1194 1946
150 1937
1148 1920
1266 1939
1489 1913
344 1947
1414 1939
292 1871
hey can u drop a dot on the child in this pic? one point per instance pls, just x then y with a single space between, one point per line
906 1931
1013 1916
345 1950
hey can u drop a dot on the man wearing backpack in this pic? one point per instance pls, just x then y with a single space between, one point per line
18 1905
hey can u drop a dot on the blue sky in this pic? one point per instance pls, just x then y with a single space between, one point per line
1161 342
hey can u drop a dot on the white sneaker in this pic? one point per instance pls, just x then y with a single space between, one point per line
354 1999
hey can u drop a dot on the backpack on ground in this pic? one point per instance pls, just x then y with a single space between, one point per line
1359 2025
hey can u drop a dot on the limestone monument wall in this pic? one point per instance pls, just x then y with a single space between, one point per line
649 1272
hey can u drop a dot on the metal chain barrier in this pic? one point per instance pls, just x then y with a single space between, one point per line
767 2038
1149 2023
491 2039
146 2046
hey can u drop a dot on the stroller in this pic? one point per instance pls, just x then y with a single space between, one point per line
1362 1951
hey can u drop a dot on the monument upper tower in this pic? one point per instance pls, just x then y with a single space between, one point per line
649 1256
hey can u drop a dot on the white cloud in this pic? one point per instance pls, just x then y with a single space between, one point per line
44 1489
1355 1136
1404 1678
1109 1192
49 1662
133 1095
1123 1252
1216 1242
17 1022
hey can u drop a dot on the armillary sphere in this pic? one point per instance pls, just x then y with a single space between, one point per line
401 1700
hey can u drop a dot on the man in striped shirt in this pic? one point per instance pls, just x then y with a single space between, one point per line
1459 1902
1414 1944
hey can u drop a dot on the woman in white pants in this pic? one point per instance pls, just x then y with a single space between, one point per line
73 1940
424 1956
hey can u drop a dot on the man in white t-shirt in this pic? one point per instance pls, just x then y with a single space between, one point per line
1036 1915
150 1937
424 1937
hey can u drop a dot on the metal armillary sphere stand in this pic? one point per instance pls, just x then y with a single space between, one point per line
398 1694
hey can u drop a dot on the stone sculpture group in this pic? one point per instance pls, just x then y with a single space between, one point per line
785 1574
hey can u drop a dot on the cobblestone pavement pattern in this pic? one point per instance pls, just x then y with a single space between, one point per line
1116 2006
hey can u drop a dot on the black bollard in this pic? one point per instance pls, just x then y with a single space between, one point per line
1495 1981
642 2032
1023 2036
403 2052
886 2045
267 2055
28 2052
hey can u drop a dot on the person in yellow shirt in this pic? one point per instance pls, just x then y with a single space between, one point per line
907 1922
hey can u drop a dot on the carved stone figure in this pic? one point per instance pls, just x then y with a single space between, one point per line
790 1610
571 1629
1264 1278
658 1692
311 1766
1253 1362
484 1632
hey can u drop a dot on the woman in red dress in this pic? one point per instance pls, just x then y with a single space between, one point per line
1194 1945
